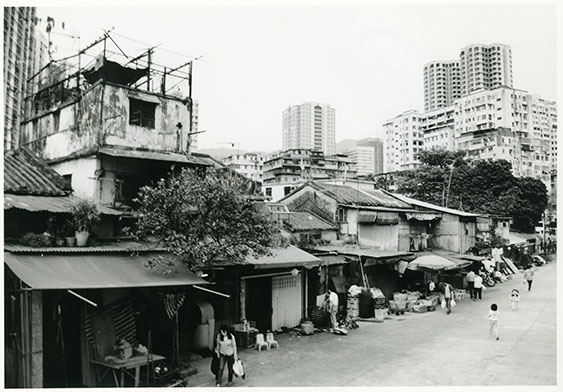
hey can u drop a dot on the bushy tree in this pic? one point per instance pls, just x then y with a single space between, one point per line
204 217
483 186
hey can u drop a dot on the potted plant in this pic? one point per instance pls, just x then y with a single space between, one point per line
56 232
69 233
85 215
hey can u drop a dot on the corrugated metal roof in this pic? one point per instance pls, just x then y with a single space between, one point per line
155 156
430 206
115 247
387 200
288 257
302 220
363 251
87 271
55 204
25 174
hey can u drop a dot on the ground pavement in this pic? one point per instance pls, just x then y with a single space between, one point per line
426 349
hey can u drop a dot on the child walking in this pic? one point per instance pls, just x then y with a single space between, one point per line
493 320
514 298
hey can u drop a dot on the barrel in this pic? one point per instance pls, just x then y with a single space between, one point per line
366 305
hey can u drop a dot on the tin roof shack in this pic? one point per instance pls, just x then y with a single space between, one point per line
367 217
455 231
110 127
306 228
37 199
269 290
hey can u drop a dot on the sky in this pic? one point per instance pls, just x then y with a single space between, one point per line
366 61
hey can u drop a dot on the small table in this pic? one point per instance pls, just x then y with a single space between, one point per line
132 363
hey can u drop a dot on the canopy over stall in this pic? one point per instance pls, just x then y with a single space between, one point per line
436 262
97 271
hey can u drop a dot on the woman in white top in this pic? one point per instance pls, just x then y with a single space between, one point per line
227 352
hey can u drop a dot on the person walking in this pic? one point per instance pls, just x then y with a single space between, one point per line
448 296
493 321
471 283
333 307
514 298
478 287
529 275
227 352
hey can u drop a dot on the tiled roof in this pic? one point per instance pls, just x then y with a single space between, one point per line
25 174
375 198
302 220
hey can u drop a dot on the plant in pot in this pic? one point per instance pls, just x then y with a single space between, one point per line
85 215
69 233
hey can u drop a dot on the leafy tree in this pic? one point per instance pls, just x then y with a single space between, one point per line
482 186
205 217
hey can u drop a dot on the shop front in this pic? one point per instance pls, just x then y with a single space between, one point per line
89 319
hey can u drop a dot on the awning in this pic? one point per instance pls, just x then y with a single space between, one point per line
99 271
423 216
289 257
367 216
334 260
430 261
387 218
55 204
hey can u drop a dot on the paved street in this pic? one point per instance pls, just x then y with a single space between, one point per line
428 349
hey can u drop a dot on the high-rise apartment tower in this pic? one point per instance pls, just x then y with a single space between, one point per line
310 125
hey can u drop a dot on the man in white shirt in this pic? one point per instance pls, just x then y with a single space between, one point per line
333 307
478 286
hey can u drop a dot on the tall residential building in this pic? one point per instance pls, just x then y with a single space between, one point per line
403 140
485 67
438 128
195 125
511 124
20 63
310 125
478 67
249 165
368 156
442 84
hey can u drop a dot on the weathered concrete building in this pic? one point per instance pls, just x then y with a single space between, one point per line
107 136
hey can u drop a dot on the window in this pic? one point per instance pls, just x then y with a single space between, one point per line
269 192
141 113
68 179
341 215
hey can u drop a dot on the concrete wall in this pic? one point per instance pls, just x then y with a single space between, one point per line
101 117
83 171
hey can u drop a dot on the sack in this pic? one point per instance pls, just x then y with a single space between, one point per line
443 303
215 364
452 303
238 369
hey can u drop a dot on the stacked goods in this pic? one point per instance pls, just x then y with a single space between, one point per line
380 315
379 302
307 328
397 306
399 297
353 307
412 297
424 305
